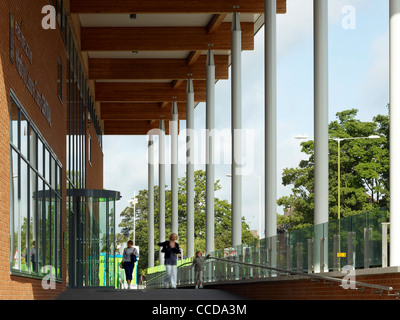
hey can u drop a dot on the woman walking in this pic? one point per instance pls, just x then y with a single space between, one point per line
170 248
129 259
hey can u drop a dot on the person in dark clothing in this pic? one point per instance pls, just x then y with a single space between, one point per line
129 257
170 249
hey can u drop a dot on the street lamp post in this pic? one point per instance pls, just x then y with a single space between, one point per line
338 140
259 200
134 201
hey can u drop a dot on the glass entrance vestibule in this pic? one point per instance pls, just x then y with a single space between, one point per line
91 246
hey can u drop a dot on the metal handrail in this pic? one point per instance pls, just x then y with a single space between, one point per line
357 284
317 276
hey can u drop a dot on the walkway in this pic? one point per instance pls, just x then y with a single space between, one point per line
148 294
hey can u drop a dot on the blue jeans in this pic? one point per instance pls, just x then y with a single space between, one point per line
170 277
129 266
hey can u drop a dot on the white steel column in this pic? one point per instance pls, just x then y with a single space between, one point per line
394 132
174 167
151 201
161 186
270 119
210 174
190 168
236 67
321 151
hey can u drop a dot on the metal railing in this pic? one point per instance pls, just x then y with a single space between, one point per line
346 282
352 243
186 276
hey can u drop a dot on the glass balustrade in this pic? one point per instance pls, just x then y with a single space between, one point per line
351 242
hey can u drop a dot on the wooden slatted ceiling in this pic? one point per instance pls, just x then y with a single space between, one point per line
171 6
155 69
163 38
140 111
134 94
147 92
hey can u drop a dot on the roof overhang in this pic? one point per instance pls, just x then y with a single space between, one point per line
138 55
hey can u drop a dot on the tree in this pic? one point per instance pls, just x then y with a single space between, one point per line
222 219
364 169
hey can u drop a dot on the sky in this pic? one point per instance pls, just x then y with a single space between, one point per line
358 78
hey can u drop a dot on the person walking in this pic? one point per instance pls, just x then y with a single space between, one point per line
129 259
198 264
170 249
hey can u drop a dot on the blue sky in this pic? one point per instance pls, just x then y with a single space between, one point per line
358 78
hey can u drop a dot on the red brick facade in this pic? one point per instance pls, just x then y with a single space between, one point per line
46 47
306 289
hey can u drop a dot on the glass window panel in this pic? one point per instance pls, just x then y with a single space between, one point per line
47 165
15 262
40 156
24 214
41 225
33 147
14 124
111 240
59 175
53 228
33 222
47 225
53 176
24 136
59 237
68 154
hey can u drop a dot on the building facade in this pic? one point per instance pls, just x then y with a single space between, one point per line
55 219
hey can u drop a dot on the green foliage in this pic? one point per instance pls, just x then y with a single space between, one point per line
364 172
222 219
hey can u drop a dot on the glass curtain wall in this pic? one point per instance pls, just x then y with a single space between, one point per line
35 199
80 113
95 249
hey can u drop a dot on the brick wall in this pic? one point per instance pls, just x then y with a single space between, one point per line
306 289
46 46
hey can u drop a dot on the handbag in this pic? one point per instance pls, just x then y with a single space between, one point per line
121 263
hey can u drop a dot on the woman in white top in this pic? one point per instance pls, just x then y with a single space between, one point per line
129 259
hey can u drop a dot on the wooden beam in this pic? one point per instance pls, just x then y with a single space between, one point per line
163 38
155 69
139 111
175 6
215 22
132 127
193 57
175 84
147 92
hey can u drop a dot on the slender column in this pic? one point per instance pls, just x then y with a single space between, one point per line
270 119
174 168
321 184
151 201
236 67
161 186
210 174
190 168
394 132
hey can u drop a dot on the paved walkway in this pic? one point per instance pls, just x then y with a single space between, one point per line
148 294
